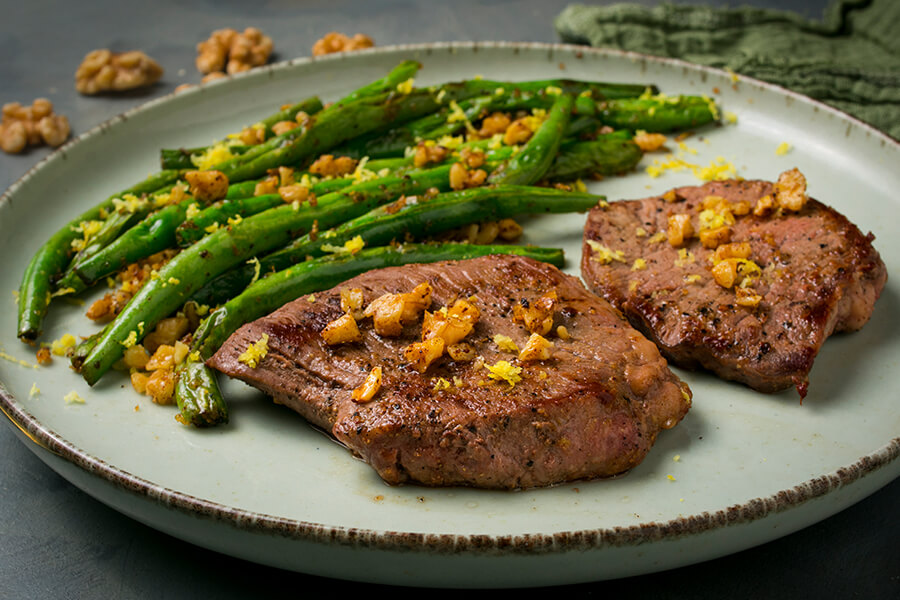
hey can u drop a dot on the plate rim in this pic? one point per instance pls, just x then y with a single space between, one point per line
588 539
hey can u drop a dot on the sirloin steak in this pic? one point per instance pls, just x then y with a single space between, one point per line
592 409
798 276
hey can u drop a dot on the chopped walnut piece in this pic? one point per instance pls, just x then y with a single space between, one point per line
295 193
168 331
518 132
462 178
713 238
207 186
102 71
493 124
369 387
285 176
420 355
747 297
679 229
251 136
472 157
740 208
233 52
342 330
735 250
509 229
269 185
327 165
764 206
139 382
536 348
284 126
483 233
161 386
43 356
24 126
790 191
671 196
427 153
338 42
391 311
725 272
136 357
352 301
650 142
462 352
537 316
451 325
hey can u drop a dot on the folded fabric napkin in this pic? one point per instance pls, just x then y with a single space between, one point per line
850 59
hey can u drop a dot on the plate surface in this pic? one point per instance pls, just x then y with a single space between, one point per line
741 469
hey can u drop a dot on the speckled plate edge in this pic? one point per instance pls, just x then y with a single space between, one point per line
753 510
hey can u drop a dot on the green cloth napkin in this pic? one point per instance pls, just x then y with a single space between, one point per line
850 59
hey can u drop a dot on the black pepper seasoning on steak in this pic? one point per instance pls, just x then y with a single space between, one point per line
817 274
593 409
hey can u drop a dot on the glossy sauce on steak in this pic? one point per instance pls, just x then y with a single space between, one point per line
592 409
808 273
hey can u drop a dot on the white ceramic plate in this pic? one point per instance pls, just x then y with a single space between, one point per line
741 469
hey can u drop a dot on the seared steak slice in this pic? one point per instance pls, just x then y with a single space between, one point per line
593 409
817 274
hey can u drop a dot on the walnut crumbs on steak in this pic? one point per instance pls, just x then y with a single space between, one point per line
744 278
495 372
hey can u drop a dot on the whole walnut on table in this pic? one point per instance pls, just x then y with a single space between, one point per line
102 71
31 126
233 52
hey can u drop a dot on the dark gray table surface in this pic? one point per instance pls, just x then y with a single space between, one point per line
57 542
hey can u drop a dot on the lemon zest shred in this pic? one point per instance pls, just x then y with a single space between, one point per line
255 352
504 371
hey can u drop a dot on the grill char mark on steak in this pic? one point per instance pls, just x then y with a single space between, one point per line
607 393
820 275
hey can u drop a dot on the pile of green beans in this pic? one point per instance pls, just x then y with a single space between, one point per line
224 246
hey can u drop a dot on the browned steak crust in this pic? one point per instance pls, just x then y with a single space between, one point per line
593 409
819 275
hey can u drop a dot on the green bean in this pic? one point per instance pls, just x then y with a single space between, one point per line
55 254
187 272
530 164
402 220
153 234
399 74
193 228
118 221
182 158
609 154
200 402
658 114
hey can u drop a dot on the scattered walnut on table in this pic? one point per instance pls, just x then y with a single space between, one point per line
229 51
338 42
102 71
23 126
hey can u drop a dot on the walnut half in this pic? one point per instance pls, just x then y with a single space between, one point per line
102 71
338 42
233 52
31 126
